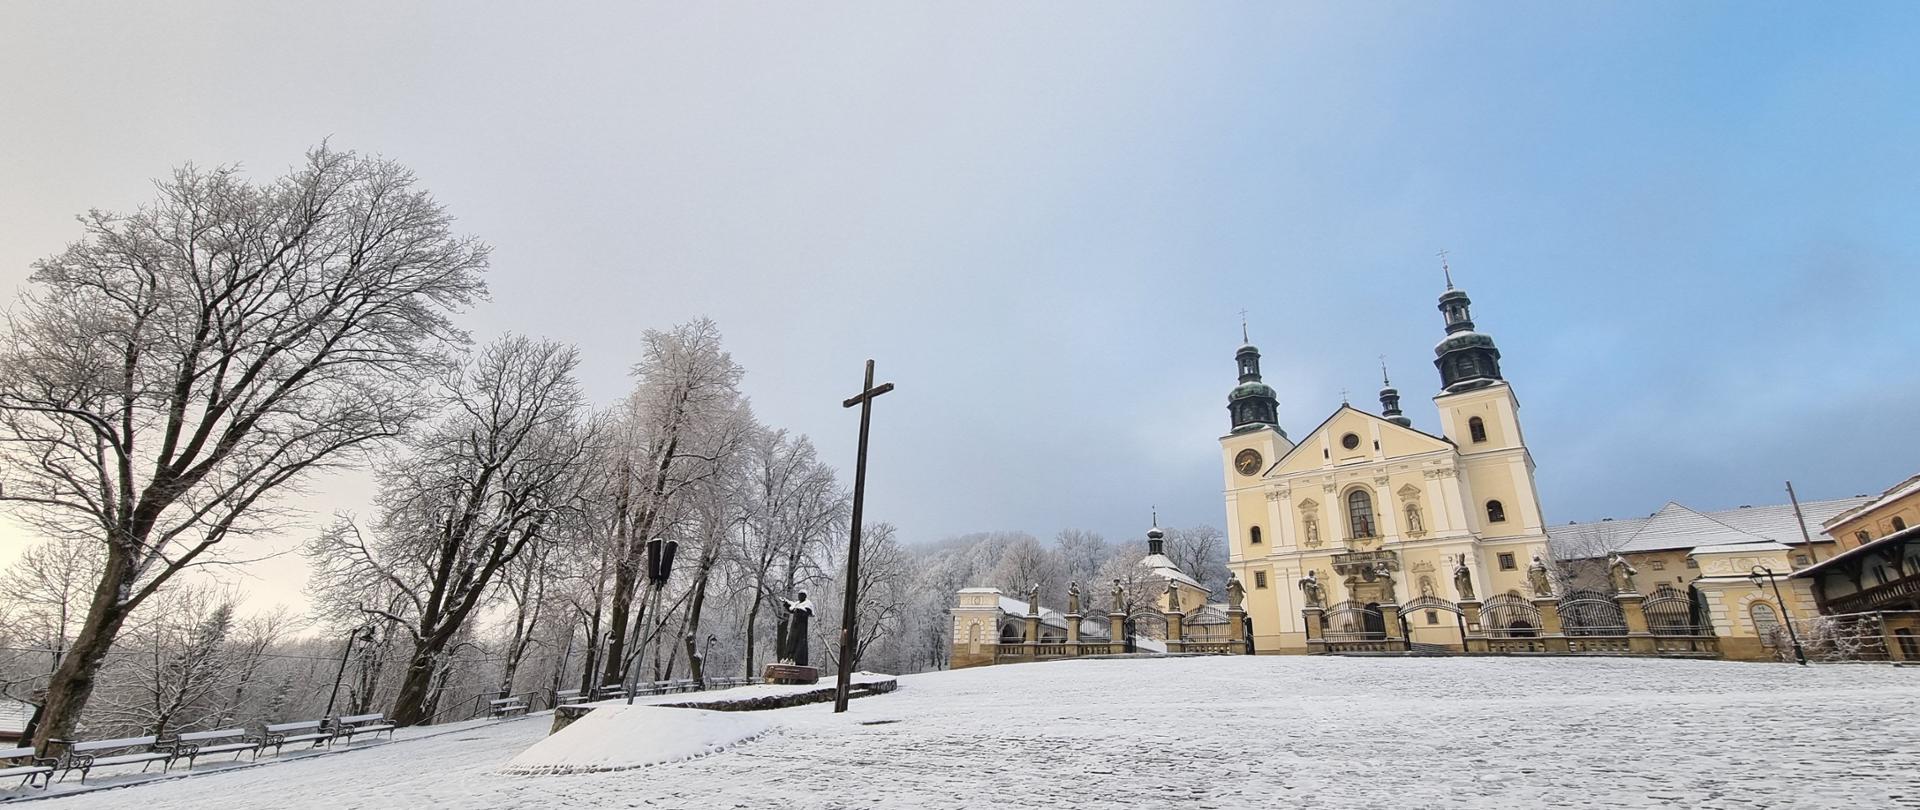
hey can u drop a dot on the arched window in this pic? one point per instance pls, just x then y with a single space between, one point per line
1360 513
1253 535
1495 512
1862 537
1477 430
1899 525
1766 622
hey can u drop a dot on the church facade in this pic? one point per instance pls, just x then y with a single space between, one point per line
1377 522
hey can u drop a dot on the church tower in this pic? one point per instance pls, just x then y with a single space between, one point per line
1466 359
1252 404
1481 416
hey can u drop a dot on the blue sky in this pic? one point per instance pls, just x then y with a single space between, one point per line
1692 228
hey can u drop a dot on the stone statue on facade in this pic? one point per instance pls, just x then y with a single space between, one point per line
1313 531
1236 592
1621 573
1462 578
1173 597
1073 598
1310 588
1413 518
1119 599
1033 600
1537 578
799 614
1385 575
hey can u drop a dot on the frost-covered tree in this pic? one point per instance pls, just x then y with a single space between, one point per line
175 369
472 493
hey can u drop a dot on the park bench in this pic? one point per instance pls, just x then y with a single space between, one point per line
193 744
611 691
345 728
34 765
568 697
298 731
504 707
85 756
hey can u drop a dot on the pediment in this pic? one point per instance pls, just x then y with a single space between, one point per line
1324 443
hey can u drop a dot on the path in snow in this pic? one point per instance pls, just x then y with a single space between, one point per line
1213 732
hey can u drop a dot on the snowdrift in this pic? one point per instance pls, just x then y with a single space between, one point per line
615 738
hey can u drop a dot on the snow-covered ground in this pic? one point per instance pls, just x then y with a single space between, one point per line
1211 732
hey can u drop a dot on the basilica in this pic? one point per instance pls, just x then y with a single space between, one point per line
1365 511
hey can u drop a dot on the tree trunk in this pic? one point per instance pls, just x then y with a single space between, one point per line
413 705
73 680
753 619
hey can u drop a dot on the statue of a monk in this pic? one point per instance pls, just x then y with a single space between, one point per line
799 613
1462 578
1537 578
1073 598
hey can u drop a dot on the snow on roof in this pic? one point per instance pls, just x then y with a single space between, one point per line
1162 566
1740 548
979 590
1857 552
1677 527
1892 493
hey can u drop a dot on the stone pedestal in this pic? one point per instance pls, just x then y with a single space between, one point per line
1073 628
1476 639
1116 633
1175 641
1551 633
1396 635
1033 629
1237 630
1311 616
790 673
1639 638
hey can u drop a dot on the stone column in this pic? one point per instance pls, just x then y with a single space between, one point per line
1073 629
1476 639
1175 642
1116 633
1551 633
1237 629
1033 635
1639 639
1396 635
1311 616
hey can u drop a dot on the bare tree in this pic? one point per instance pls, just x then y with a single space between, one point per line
476 489
1200 552
177 367
48 587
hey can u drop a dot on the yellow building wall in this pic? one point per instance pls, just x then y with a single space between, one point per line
1877 522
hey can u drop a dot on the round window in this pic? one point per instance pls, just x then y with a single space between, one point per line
1350 441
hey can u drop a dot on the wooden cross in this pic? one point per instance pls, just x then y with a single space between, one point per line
864 399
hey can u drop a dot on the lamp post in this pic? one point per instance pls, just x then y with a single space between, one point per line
362 633
1755 575
659 567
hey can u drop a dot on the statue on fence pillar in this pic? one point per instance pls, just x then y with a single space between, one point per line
1537 578
1310 588
799 613
1173 597
1033 600
1236 592
1073 598
1119 598
1462 578
1621 572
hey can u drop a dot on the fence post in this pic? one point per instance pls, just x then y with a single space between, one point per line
1116 633
1632 607
1237 629
1175 643
1396 640
1312 615
1552 634
1476 638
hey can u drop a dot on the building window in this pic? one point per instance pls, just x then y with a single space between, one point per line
1693 563
1433 617
1506 561
1350 441
1659 565
1766 622
1253 535
1477 430
1799 560
1862 537
1495 512
1360 513
1260 579
1899 525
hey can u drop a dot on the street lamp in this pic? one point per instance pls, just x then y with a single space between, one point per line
659 567
362 633
1760 572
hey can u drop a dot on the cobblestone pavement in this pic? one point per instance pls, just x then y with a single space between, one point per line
1216 732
